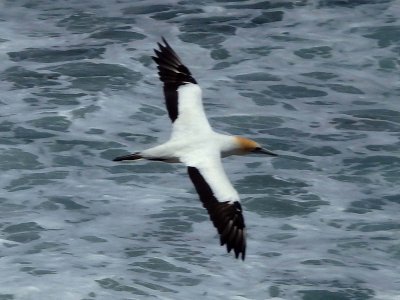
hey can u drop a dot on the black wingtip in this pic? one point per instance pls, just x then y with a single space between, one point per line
226 216
243 254
170 66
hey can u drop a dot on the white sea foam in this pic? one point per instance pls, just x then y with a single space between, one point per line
315 81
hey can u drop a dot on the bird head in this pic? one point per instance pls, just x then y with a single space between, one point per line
249 146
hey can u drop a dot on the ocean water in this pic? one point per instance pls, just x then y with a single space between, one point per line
314 81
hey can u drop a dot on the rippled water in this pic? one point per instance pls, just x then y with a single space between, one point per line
315 81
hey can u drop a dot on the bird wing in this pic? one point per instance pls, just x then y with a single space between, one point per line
182 93
185 108
221 201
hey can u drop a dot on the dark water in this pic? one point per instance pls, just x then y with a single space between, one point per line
315 81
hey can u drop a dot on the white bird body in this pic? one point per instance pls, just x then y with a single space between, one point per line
194 143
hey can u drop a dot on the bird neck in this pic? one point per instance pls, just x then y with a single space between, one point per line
232 145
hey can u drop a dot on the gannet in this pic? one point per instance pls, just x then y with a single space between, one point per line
194 143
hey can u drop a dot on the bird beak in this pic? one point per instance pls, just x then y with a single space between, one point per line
265 151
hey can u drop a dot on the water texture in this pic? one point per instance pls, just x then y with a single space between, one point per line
315 81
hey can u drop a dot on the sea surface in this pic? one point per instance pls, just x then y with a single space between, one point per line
315 81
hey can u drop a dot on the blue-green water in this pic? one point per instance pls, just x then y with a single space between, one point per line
315 81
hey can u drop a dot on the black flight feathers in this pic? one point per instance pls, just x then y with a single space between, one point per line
171 69
173 73
226 216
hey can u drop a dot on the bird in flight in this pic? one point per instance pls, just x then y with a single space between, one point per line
194 143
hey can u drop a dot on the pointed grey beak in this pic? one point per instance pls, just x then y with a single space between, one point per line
264 151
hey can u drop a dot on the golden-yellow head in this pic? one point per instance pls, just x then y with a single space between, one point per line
250 146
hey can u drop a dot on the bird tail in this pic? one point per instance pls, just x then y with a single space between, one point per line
133 156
